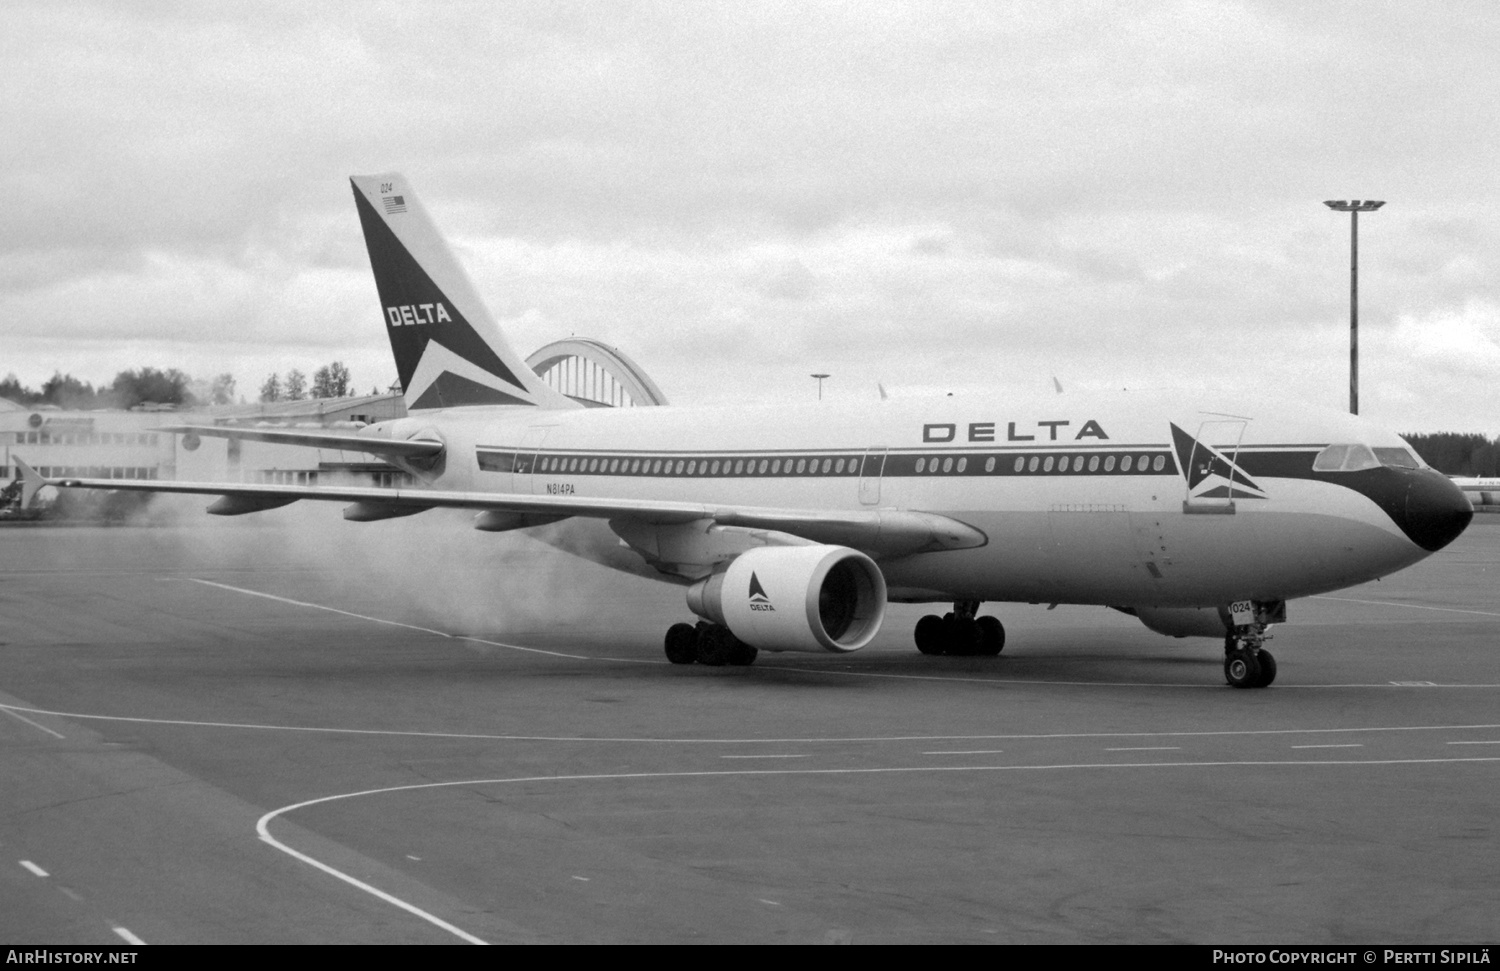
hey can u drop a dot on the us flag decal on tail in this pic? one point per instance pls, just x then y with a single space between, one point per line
394 204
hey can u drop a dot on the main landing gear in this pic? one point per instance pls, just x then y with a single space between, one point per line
960 633
1247 663
711 644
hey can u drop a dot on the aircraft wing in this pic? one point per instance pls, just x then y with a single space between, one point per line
887 532
410 449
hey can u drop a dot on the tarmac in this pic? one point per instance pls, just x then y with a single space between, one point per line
291 729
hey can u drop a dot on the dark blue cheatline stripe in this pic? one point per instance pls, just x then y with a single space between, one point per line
831 464
1428 508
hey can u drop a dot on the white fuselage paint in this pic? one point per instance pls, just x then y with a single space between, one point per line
1069 537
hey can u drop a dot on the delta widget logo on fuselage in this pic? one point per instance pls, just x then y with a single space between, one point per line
1209 472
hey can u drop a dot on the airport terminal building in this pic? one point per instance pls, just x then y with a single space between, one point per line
105 444
131 444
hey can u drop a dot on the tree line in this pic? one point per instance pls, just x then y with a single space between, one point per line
128 389
329 381
1457 453
173 387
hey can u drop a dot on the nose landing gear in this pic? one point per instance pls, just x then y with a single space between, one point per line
1247 664
960 633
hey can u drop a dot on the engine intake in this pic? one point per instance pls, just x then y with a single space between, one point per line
796 598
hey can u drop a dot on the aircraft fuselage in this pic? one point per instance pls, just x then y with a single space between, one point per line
1083 499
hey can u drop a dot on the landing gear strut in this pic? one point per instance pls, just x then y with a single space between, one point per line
960 633
1247 663
710 644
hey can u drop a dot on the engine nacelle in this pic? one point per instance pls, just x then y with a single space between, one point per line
796 598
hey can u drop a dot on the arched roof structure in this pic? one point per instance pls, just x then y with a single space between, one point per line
595 374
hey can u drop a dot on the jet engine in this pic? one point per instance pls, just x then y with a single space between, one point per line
796 598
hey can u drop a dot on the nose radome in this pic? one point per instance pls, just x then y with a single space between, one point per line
1437 511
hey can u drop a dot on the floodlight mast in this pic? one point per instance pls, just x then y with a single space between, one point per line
820 378
1354 209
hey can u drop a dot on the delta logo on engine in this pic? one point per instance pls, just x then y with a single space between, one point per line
758 598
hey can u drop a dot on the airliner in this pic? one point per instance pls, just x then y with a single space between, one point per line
791 527
1483 492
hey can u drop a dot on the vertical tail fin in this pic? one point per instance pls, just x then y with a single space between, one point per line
449 350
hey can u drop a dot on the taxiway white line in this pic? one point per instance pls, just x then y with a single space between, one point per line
1341 745
304 603
397 623
20 717
262 825
774 756
34 868
976 751
1487 741
126 936
571 657
394 901
1151 748
816 671
632 739
1025 682
1393 603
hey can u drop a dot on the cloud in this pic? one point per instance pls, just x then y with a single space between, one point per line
930 194
1458 341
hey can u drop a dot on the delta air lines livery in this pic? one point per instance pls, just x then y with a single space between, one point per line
791 527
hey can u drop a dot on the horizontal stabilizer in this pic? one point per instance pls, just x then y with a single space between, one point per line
31 481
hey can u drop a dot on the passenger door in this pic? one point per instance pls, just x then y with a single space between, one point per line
871 469
523 476
1209 482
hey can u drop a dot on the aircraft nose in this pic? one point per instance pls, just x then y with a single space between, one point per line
1436 510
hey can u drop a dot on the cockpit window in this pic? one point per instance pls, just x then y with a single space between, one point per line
1346 458
1331 459
1398 458
1353 458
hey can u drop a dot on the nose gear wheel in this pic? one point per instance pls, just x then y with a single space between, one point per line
1247 664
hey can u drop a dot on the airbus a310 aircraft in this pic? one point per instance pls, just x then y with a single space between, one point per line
791 527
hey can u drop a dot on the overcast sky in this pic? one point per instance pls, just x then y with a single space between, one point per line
937 196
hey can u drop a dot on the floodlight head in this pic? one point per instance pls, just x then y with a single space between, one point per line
1366 205
1337 204
1370 205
